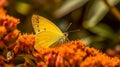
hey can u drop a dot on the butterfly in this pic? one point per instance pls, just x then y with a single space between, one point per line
47 33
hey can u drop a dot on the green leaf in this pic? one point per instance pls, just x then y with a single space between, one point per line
103 30
31 60
20 65
23 8
96 12
68 7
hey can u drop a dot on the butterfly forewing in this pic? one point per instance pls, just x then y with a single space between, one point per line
42 24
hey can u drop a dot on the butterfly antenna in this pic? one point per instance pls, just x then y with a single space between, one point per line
68 26
77 30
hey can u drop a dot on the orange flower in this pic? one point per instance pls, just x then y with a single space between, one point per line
12 35
2 45
2 3
100 60
16 48
26 39
41 64
2 11
9 22
26 42
59 61
3 31
92 51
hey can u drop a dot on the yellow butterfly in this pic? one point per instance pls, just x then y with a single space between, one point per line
47 33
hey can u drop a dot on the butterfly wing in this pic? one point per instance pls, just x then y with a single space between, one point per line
47 33
42 24
46 39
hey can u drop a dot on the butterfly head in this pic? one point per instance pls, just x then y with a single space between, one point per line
64 39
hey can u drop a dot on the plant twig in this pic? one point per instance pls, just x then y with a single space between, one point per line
113 10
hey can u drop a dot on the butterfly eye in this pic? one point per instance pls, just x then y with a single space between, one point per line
66 34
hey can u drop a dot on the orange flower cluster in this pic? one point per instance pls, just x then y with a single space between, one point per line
24 43
9 22
8 31
8 36
74 54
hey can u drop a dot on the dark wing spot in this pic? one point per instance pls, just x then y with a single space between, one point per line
37 25
37 19
38 30
44 29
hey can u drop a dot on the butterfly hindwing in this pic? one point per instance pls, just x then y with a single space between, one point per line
46 39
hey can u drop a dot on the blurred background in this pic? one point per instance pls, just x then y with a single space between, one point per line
97 20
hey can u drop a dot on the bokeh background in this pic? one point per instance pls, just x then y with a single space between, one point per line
97 20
